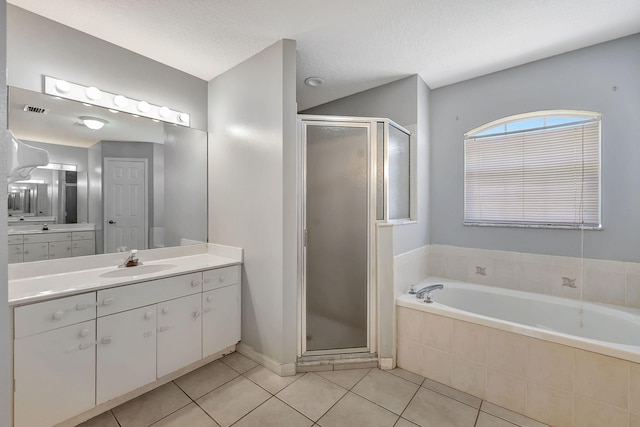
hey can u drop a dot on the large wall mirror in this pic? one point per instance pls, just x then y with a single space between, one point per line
84 181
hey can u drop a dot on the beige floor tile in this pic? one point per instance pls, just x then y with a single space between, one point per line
312 395
191 415
510 416
268 380
274 413
429 408
387 390
347 378
486 420
238 362
106 419
409 376
355 411
458 395
151 407
232 401
205 379
404 423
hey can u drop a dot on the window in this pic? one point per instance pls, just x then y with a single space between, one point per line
539 169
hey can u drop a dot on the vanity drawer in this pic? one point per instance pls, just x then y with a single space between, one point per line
83 247
47 237
15 239
115 300
44 316
36 251
221 277
83 235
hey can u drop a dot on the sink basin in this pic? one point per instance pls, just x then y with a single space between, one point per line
136 271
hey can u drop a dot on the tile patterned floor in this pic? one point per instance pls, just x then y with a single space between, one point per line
235 391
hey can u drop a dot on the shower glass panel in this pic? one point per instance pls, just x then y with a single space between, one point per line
337 221
399 174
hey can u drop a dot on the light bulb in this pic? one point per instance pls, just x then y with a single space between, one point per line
63 86
164 112
120 101
143 106
93 93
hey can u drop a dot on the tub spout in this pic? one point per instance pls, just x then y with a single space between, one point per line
427 291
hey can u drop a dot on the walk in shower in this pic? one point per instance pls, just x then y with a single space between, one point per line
355 172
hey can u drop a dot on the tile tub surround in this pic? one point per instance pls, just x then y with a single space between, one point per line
208 397
609 282
553 383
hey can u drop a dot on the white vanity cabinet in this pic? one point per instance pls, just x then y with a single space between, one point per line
74 353
54 360
126 352
179 333
50 245
220 309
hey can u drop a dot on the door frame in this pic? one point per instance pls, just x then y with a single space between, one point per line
145 161
372 294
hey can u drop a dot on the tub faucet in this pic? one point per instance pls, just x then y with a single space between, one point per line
427 290
132 260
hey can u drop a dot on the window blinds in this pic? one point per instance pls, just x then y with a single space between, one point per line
547 177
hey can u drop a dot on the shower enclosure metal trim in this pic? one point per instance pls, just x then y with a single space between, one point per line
370 125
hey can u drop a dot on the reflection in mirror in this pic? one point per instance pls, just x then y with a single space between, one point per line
69 194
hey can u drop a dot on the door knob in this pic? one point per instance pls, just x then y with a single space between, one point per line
111 221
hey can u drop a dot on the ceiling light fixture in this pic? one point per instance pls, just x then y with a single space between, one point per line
314 81
93 123
93 96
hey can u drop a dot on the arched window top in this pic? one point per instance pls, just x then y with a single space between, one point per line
537 120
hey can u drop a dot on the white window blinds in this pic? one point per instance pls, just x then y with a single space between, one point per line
546 177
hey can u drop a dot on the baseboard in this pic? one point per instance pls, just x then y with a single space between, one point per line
386 363
284 370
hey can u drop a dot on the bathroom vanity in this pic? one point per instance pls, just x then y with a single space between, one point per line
32 243
86 340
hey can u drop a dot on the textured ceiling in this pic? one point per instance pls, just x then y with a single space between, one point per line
354 45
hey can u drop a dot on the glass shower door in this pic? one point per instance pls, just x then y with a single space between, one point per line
337 230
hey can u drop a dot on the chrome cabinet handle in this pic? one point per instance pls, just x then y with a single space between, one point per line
106 340
58 315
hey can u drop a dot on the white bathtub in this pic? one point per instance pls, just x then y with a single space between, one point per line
609 330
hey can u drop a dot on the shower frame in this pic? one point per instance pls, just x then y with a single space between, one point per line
374 219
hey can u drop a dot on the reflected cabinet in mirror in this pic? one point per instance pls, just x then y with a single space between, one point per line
133 184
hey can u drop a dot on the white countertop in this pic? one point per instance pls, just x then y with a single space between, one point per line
43 280
53 228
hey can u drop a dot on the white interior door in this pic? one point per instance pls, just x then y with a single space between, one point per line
125 204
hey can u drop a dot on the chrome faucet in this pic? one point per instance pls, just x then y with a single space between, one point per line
427 291
132 260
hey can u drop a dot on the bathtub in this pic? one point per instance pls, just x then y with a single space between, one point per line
556 360
606 329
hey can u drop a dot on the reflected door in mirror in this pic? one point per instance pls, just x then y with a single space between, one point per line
125 204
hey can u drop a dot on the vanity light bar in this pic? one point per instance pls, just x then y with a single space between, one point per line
93 96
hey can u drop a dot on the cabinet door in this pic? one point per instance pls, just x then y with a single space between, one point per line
54 375
83 247
126 352
220 319
179 333
36 251
15 253
59 249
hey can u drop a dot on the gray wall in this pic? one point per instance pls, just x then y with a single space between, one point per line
252 190
5 330
38 46
64 154
405 102
185 194
583 79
